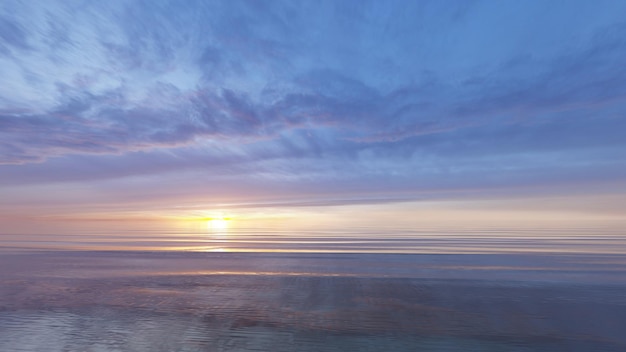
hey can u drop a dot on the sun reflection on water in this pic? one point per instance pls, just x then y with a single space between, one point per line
218 232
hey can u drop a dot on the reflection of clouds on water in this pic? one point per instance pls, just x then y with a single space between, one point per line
93 330
165 301
123 331
309 313
137 332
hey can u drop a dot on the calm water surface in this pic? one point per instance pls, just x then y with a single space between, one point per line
409 291
357 240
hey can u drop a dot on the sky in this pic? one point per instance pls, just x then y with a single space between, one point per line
365 112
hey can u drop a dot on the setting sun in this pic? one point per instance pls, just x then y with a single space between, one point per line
218 224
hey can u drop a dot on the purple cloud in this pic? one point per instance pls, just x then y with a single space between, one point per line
328 95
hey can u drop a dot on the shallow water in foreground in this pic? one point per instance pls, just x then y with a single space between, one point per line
172 301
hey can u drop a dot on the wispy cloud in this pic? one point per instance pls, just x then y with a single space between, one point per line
407 94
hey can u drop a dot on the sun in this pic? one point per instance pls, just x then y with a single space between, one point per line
219 224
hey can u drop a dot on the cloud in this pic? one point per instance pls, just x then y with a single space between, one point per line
362 96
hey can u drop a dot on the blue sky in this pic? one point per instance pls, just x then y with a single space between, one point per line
117 105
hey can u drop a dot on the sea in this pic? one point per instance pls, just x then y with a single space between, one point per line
345 290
